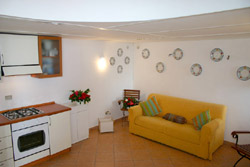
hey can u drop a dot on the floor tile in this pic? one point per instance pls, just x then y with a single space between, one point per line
124 164
104 164
123 156
140 155
120 147
104 157
163 163
86 157
106 147
144 163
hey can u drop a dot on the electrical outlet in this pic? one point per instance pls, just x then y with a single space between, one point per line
8 97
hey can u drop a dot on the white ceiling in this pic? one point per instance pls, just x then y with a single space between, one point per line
114 10
220 25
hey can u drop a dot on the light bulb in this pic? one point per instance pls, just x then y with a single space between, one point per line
102 63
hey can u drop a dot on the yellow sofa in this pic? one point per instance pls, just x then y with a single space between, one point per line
181 136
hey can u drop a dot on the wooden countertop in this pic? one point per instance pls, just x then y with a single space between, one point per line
48 108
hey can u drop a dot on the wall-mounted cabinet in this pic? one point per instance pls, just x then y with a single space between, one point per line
50 56
19 54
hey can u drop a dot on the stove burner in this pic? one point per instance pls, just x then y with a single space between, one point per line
25 112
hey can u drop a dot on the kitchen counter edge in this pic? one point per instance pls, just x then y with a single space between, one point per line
49 108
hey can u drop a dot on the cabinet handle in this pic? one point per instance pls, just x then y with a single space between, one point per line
2 59
49 121
1 152
0 141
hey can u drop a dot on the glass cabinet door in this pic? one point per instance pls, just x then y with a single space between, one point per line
50 56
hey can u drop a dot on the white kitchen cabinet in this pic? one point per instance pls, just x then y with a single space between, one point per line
19 54
19 49
59 132
6 150
79 122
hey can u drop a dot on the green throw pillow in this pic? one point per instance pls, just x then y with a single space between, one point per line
201 119
150 107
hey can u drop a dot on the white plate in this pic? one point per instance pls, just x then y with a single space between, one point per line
196 69
243 73
160 67
217 54
119 69
145 53
127 60
120 52
112 61
178 54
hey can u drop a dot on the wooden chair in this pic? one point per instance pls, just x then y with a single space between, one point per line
243 150
128 93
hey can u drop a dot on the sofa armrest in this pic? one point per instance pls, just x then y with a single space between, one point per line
134 112
208 130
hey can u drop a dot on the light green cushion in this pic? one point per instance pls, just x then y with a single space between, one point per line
151 107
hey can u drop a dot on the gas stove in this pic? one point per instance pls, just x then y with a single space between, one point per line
21 113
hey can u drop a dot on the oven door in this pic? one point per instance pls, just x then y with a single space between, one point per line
30 140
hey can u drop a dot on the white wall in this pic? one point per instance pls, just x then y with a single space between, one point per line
80 71
218 82
113 10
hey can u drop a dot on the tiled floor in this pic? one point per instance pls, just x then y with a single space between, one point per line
122 149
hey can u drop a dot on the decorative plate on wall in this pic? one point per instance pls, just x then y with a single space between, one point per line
217 54
145 53
120 52
119 69
178 54
160 67
112 61
196 69
243 73
127 60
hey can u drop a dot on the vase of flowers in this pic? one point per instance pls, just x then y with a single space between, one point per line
80 96
129 102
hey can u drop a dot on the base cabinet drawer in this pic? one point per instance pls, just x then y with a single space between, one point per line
5 142
5 131
8 163
6 154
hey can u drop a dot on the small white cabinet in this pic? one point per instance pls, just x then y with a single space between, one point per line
106 125
79 121
6 150
59 132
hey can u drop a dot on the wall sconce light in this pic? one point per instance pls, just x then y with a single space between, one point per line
102 64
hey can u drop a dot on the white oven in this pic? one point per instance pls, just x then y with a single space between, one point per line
30 137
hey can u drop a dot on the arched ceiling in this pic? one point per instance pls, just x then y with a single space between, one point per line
114 10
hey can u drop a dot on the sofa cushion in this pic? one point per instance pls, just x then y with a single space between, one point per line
151 107
184 132
201 119
175 118
153 123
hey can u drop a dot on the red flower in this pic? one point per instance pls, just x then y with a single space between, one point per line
80 96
